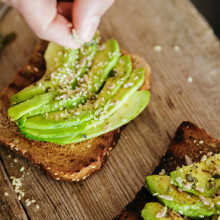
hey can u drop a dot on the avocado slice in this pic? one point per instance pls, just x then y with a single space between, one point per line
182 202
17 111
134 82
62 67
103 63
59 60
87 54
154 211
67 118
202 178
129 110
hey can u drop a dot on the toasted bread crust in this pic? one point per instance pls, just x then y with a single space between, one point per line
72 162
189 140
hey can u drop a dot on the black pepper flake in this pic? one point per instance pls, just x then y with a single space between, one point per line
84 136
216 176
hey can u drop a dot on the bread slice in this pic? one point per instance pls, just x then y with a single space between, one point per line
189 140
72 162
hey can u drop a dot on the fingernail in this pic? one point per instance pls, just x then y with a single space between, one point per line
88 29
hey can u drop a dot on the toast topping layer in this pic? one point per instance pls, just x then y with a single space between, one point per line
83 94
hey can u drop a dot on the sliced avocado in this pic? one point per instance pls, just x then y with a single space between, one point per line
182 202
202 178
133 84
130 109
17 111
104 62
62 68
59 60
67 118
154 211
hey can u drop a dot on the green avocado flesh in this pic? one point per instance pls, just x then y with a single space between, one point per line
76 116
201 178
83 94
63 67
182 202
127 112
154 211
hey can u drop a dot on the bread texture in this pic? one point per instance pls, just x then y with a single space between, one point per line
72 162
189 140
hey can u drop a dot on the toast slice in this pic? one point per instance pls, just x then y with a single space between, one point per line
189 140
72 162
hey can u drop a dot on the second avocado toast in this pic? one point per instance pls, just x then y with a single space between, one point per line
77 157
185 184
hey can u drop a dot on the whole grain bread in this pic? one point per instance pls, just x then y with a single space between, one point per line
72 162
189 140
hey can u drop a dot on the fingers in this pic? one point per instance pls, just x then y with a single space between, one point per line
44 20
59 32
86 16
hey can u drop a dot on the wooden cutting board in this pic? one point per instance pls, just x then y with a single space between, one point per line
184 56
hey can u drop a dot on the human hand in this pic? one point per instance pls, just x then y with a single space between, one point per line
53 21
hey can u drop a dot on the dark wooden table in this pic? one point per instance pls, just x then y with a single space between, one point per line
184 56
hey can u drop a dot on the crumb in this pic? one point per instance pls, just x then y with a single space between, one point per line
6 194
176 48
157 48
189 79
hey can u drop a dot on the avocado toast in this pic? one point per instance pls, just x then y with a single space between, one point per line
71 162
190 144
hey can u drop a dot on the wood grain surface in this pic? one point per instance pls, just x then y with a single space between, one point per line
185 86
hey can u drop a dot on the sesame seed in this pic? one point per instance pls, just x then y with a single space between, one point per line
22 169
176 48
188 160
162 213
6 194
169 198
201 142
179 180
200 189
189 79
157 48
204 200
204 158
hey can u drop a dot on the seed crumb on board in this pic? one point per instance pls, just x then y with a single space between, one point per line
176 48
157 48
189 79
6 194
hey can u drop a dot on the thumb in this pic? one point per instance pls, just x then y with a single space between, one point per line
87 15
